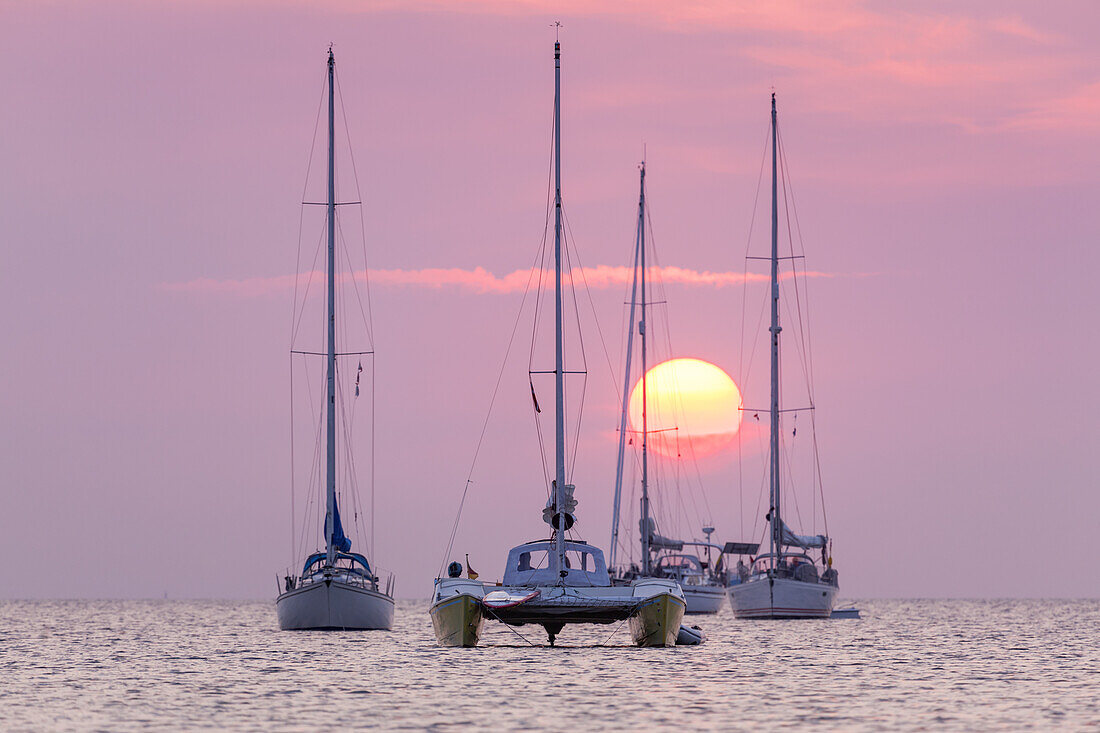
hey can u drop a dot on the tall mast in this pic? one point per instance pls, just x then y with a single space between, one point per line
623 420
559 373
645 396
776 521
330 479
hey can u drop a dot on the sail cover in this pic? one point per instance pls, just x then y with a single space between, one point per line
656 541
339 540
806 542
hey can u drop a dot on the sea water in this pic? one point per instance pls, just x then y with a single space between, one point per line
127 665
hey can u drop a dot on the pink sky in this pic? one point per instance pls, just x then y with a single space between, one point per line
945 157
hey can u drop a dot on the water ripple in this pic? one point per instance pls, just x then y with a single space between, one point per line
907 665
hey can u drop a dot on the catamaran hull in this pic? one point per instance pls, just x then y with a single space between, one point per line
781 598
334 606
458 620
657 621
704 598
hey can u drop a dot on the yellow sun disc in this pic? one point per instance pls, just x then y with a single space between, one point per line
692 403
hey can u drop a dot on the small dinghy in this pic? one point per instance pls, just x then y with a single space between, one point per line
690 636
845 613
499 599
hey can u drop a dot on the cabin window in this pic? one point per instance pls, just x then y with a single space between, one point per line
531 560
579 560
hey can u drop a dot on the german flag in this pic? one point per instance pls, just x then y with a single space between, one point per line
470 572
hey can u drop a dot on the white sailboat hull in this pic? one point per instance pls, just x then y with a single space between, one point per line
781 598
704 598
334 606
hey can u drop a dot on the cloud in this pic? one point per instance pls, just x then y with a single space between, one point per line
1078 110
481 281
890 62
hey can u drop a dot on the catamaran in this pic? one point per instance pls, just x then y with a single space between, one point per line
703 583
557 581
786 581
337 588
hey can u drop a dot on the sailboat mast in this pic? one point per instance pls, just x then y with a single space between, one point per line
330 402
776 521
646 563
624 418
559 373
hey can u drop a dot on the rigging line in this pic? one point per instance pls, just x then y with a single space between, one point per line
542 453
787 462
759 499
359 197
580 336
580 415
301 213
817 466
668 340
621 624
570 253
763 488
567 267
788 204
800 342
804 329
759 323
315 464
741 341
350 476
293 512
508 626
485 424
740 488
306 519
309 283
802 248
545 235
798 345
372 463
592 306
542 257
355 289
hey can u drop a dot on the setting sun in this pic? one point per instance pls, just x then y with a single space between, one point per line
687 400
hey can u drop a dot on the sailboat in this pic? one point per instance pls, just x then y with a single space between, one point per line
785 582
337 588
702 583
557 581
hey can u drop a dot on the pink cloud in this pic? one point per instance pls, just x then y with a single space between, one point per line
479 280
1078 110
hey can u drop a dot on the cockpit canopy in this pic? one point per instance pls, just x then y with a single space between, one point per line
680 565
353 562
536 563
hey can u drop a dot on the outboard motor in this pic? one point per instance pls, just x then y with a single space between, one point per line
454 570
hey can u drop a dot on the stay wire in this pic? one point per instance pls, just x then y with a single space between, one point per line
741 368
293 319
485 423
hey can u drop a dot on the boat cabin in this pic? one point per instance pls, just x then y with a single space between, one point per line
345 563
797 565
536 563
682 568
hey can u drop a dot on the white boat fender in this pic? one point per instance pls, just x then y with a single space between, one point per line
499 599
